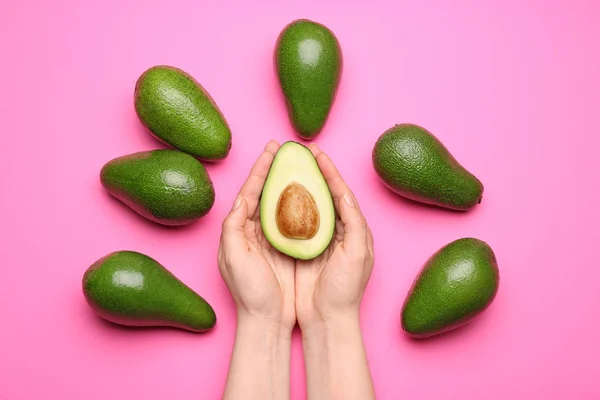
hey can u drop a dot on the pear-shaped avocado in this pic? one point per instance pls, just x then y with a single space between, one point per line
130 288
416 165
308 62
178 111
456 284
166 186
296 209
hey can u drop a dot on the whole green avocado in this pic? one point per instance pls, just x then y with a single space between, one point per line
308 62
130 288
456 284
416 165
165 186
178 111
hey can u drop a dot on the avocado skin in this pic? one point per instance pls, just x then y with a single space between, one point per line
177 110
456 284
416 165
165 186
310 84
130 288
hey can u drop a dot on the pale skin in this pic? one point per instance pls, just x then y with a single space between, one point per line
273 292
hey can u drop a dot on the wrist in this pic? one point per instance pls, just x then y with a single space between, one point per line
335 359
260 363
324 333
269 329
319 320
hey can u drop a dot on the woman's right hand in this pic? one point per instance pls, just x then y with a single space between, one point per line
260 279
261 282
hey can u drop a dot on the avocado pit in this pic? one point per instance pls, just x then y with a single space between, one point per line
297 215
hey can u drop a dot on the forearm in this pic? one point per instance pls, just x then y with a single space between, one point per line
260 362
335 360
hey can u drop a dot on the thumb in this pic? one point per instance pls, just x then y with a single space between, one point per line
233 234
355 226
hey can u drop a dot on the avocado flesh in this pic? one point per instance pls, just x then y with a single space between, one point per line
130 288
456 284
295 166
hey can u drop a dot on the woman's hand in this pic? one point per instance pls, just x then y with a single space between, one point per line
332 285
329 290
261 281
324 294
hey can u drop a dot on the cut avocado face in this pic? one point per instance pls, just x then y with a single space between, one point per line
296 208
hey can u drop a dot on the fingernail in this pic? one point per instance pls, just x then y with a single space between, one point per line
348 199
236 204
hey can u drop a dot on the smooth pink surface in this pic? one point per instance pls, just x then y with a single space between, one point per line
512 88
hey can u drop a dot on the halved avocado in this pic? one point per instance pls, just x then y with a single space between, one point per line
296 208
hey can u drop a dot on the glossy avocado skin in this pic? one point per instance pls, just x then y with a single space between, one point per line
416 165
456 284
308 62
178 111
165 186
130 288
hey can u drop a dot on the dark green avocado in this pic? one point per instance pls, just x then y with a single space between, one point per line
456 284
130 288
416 165
165 186
177 110
308 62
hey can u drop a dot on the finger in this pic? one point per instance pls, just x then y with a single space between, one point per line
355 227
221 258
220 252
252 188
370 245
314 149
356 231
272 147
332 176
233 232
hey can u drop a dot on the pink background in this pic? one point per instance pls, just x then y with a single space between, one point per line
511 87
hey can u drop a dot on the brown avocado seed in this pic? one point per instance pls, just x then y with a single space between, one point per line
297 215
